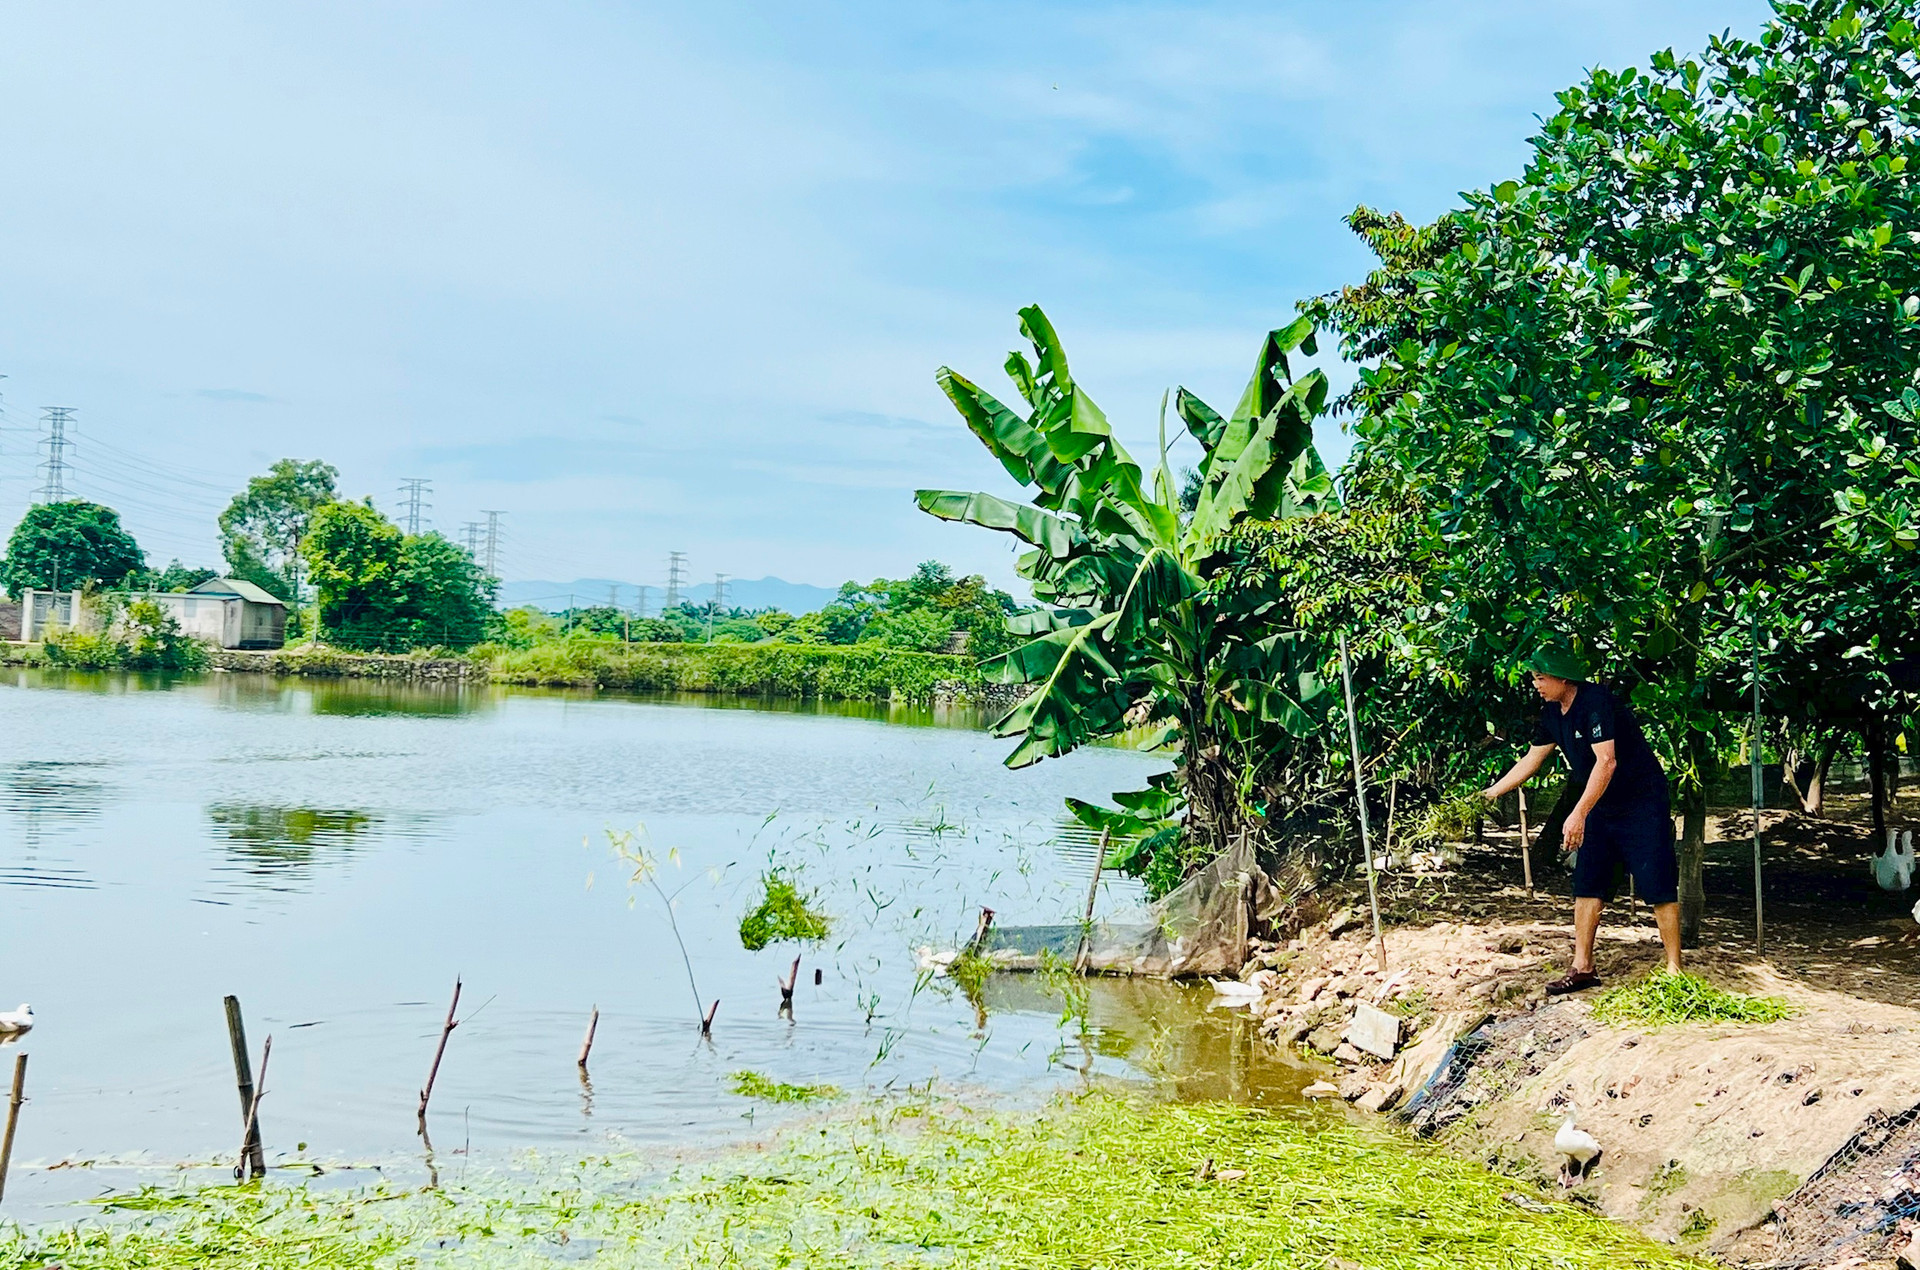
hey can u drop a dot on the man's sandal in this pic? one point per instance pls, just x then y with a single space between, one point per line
1574 982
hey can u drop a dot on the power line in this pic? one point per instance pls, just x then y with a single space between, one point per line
676 576
493 542
411 488
56 418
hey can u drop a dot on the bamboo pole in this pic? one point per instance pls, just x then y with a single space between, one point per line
1360 797
787 986
13 1118
426 1091
1085 951
250 1153
1759 790
1526 854
586 1046
256 1161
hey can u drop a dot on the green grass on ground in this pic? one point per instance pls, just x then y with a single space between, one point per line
1097 1184
834 672
1662 999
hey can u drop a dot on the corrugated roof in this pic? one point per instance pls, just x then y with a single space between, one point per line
234 586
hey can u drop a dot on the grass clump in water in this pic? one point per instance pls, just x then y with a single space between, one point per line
784 912
751 1084
1662 999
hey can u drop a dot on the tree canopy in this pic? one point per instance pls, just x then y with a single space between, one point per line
67 546
382 590
262 528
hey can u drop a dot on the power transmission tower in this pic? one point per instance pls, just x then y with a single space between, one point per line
471 531
613 595
676 576
640 607
56 418
719 599
411 488
493 542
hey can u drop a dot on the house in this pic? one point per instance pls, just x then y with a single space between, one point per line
227 612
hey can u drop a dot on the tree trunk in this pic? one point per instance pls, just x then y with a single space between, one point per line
1874 734
1693 844
1810 774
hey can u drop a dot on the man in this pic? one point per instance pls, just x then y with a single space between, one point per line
1623 816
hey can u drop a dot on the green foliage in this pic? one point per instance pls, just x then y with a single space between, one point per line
175 577
85 650
1662 999
784 913
969 972
861 672
751 1084
262 529
382 591
69 546
1137 627
140 636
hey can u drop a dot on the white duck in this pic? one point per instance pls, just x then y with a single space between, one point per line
1578 1149
14 1022
1893 868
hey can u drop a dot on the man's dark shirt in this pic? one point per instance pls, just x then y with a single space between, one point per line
1638 782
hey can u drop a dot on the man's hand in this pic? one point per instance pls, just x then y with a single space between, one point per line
1489 795
1574 831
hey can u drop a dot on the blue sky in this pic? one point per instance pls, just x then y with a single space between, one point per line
656 277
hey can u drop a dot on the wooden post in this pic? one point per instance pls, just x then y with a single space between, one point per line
1360 795
706 1024
1085 951
256 1161
13 1118
787 986
250 1153
426 1092
1526 853
1759 790
979 943
586 1046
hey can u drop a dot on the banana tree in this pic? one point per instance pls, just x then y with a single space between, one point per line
1132 626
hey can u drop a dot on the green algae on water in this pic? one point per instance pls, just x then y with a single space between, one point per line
1097 1181
751 1084
1663 999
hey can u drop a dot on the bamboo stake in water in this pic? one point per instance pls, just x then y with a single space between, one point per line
13 1118
243 1079
586 1046
1360 796
426 1091
1526 855
1759 792
1085 953
250 1152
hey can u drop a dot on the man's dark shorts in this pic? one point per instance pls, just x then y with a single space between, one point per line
1639 838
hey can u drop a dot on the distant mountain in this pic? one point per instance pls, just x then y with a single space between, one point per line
761 593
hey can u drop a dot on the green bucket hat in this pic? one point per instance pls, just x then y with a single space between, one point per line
1560 661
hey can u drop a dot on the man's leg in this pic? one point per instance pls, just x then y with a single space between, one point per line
1667 918
1586 924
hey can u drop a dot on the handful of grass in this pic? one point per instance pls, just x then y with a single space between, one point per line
751 1084
784 912
1661 1000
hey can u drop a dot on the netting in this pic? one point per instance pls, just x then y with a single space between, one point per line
1199 928
1488 1064
1863 1202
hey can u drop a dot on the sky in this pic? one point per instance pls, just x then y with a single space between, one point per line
653 277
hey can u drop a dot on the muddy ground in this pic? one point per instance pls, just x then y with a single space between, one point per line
1793 1143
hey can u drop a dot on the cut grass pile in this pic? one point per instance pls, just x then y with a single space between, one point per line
1099 1182
1661 1000
784 912
751 1084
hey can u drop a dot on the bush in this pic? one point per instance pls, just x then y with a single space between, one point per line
83 650
152 640
857 672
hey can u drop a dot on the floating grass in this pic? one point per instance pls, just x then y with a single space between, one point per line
784 912
751 1084
1097 1182
1662 999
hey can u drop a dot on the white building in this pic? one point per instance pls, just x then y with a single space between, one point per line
227 612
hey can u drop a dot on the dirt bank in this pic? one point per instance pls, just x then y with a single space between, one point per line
1790 1142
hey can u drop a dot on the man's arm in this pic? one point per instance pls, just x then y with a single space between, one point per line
1604 763
1522 772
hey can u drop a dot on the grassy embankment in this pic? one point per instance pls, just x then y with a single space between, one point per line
852 672
1097 1183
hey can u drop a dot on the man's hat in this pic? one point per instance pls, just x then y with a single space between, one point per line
1560 661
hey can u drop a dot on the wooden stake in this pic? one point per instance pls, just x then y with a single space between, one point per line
706 1024
1526 854
816 976
586 1046
1085 952
256 1161
980 931
13 1118
787 986
250 1152
1360 795
426 1092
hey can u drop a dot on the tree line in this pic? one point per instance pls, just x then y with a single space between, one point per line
1656 396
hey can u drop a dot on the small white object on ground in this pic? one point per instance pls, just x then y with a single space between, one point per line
14 1021
1916 910
1374 1030
1233 992
1578 1149
1320 1089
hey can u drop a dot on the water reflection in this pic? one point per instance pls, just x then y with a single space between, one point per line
348 697
52 789
273 838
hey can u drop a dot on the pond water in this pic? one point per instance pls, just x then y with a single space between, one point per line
336 853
